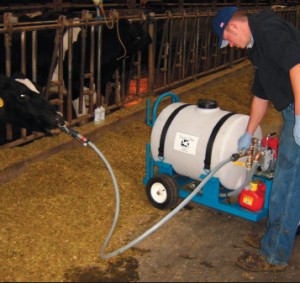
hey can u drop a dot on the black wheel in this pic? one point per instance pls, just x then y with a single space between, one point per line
162 191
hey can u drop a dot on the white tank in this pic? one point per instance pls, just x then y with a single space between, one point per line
187 138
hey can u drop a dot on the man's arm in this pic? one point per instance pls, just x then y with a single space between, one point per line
258 110
295 81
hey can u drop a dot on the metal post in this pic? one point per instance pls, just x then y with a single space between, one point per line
151 65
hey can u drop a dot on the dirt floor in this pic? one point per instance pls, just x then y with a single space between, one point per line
57 209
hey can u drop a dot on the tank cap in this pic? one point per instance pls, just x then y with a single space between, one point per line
207 104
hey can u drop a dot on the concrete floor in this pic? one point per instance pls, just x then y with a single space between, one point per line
201 244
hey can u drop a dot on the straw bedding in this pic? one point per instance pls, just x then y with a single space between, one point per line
56 215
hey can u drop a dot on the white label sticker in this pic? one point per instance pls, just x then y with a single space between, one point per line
186 143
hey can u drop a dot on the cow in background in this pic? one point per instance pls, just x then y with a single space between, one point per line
22 105
129 39
122 41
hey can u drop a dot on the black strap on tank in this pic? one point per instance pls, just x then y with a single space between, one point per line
212 138
161 149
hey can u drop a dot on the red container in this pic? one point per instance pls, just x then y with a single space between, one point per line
254 198
272 142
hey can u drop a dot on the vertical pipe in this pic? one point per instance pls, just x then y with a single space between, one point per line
23 67
82 67
117 86
99 101
7 39
8 36
197 39
70 68
139 72
151 59
183 48
34 55
92 70
170 44
60 65
123 81
23 52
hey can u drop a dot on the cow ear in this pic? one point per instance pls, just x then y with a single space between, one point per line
33 86
18 75
4 80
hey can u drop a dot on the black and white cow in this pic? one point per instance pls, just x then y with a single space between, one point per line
22 105
123 40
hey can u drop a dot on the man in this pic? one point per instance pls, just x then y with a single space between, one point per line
274 49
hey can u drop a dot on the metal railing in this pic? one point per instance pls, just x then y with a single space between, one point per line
183 49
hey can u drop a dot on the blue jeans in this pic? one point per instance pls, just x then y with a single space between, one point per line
284 204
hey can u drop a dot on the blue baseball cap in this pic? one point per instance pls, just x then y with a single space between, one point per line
220 22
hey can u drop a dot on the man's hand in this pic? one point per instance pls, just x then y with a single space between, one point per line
296 131
244 141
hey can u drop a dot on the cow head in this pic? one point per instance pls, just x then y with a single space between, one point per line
134 36
140 37
22 105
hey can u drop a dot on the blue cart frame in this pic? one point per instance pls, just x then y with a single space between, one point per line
210 193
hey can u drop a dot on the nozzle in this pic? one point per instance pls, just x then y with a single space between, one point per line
235 156
83 140
60 119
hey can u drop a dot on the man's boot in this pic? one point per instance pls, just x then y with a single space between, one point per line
253 240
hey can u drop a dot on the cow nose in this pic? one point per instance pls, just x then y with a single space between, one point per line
60 119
